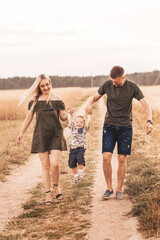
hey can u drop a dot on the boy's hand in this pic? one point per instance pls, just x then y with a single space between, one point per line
69 110
88 110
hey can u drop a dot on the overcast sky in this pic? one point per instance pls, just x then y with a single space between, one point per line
78 37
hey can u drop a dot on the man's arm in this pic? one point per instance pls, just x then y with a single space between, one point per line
92 100
95 98
148 112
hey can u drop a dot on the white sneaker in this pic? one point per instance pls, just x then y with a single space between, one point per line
81 173
76 178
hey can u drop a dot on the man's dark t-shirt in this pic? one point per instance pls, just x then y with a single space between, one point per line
119 101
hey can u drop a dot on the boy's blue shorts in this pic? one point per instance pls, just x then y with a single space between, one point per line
120 134
76 156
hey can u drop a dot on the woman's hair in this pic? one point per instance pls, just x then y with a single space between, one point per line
34 91
116 71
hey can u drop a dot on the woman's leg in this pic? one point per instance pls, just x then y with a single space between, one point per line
44 157
55 169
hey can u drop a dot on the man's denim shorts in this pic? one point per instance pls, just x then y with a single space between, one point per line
76 156
120 134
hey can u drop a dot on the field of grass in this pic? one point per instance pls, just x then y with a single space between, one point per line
12 116
9 99
143 181
68 219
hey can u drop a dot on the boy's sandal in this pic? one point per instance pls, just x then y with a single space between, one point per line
48 202
58 195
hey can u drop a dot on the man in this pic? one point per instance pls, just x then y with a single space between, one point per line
118 124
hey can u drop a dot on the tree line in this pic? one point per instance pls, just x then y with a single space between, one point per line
145 78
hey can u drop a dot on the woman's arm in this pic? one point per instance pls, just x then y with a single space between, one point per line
25 125
63 115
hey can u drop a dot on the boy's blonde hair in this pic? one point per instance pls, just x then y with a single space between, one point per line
80 116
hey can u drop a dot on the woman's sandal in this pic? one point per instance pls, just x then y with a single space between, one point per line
48 202
58 196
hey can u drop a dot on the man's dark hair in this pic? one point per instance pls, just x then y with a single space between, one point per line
116 71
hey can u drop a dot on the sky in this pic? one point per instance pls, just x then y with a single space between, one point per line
78 37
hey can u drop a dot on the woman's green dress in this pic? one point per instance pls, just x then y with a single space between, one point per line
48 132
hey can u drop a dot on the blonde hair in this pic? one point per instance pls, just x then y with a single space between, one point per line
34 91
80 116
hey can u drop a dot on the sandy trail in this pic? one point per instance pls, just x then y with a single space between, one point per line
15 191
109 220
108 217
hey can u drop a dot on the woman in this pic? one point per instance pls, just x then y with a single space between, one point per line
48 134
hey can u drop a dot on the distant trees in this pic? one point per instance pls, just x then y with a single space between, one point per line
146 78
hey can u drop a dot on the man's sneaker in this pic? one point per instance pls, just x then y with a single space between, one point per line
76 178
81 173
119 195
107 194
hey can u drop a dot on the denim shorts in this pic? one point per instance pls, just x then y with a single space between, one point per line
120 134
76 156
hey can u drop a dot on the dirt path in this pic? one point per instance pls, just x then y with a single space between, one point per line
15 191
108 217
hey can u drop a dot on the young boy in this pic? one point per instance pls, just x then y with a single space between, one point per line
77 143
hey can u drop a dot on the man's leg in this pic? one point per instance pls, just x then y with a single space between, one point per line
107 169
124 139
108 144
122 166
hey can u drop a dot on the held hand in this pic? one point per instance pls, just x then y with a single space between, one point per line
20 138
69 110
149 128
88 110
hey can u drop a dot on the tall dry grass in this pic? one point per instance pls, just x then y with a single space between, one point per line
69 219
152 93
9 99
143 183
11 153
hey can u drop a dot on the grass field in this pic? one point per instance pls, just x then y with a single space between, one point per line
143 182
70 219
9 99
11 118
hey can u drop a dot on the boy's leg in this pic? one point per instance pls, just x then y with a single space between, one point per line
73 165
81 162
81 166
76 175
75 170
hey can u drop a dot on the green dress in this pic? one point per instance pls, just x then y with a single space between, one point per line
48 132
